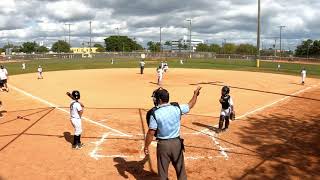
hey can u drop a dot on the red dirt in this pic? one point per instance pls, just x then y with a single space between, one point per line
281 142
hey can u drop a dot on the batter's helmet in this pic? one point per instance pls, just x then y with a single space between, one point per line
75 94
225 90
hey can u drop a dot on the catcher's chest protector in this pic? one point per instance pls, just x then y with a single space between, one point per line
225 102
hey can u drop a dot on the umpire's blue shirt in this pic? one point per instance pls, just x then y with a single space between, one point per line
167 120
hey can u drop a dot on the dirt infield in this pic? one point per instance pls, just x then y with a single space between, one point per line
275 136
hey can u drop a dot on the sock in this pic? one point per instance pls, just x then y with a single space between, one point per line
79 141
75 140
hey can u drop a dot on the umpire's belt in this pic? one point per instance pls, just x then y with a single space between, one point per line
180 139
159 139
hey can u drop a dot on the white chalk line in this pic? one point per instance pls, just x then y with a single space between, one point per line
95 155
63 110
275 102
213 134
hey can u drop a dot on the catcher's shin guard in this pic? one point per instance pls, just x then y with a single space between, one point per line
221 120
226 125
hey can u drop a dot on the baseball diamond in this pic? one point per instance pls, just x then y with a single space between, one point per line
114 125
159 90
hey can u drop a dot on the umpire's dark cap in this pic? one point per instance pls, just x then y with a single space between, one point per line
163 94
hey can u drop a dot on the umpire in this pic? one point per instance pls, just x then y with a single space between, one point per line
165 125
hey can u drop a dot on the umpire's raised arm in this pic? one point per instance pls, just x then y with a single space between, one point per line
194 98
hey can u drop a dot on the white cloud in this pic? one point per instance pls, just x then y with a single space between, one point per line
212 20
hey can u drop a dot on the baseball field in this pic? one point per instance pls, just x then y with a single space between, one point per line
275 134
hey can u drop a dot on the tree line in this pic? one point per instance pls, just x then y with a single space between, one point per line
308 48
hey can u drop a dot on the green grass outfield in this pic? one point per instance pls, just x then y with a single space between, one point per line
313 70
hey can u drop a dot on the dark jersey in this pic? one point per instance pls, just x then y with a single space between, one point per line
225 103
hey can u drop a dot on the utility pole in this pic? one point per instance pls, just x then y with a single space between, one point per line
258 36
118 37
190 28
281 39
224 47
160 40
68 24
275 47
90 37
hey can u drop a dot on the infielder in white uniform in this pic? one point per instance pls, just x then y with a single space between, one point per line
4 78
303 75
165 66
76 111
142 63
23 66
160 75
40 72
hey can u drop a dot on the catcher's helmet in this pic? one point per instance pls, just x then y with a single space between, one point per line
75 94
225 90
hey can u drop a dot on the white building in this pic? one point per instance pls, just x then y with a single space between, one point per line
185 42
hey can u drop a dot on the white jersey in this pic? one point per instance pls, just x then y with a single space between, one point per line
75 107
304 73
39 69
159 72
142 64
162 65
23 66
3 74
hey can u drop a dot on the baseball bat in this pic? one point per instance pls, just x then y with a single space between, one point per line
70 95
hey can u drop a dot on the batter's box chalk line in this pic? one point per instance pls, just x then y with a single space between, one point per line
65 111
98 147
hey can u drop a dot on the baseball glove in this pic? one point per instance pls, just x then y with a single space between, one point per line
233 115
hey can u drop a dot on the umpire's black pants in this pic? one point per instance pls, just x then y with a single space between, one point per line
141 69
171 150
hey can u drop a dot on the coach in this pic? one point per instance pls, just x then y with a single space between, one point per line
165 125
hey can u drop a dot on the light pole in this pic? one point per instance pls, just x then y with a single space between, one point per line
68 24
190 28
258 36
118 37
160 40
281 27
308 51
224 47
90 37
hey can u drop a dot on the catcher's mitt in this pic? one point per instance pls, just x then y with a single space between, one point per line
233 115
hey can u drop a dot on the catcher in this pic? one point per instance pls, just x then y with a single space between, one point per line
227 109
76 111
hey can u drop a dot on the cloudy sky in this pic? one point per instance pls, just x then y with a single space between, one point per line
212 20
